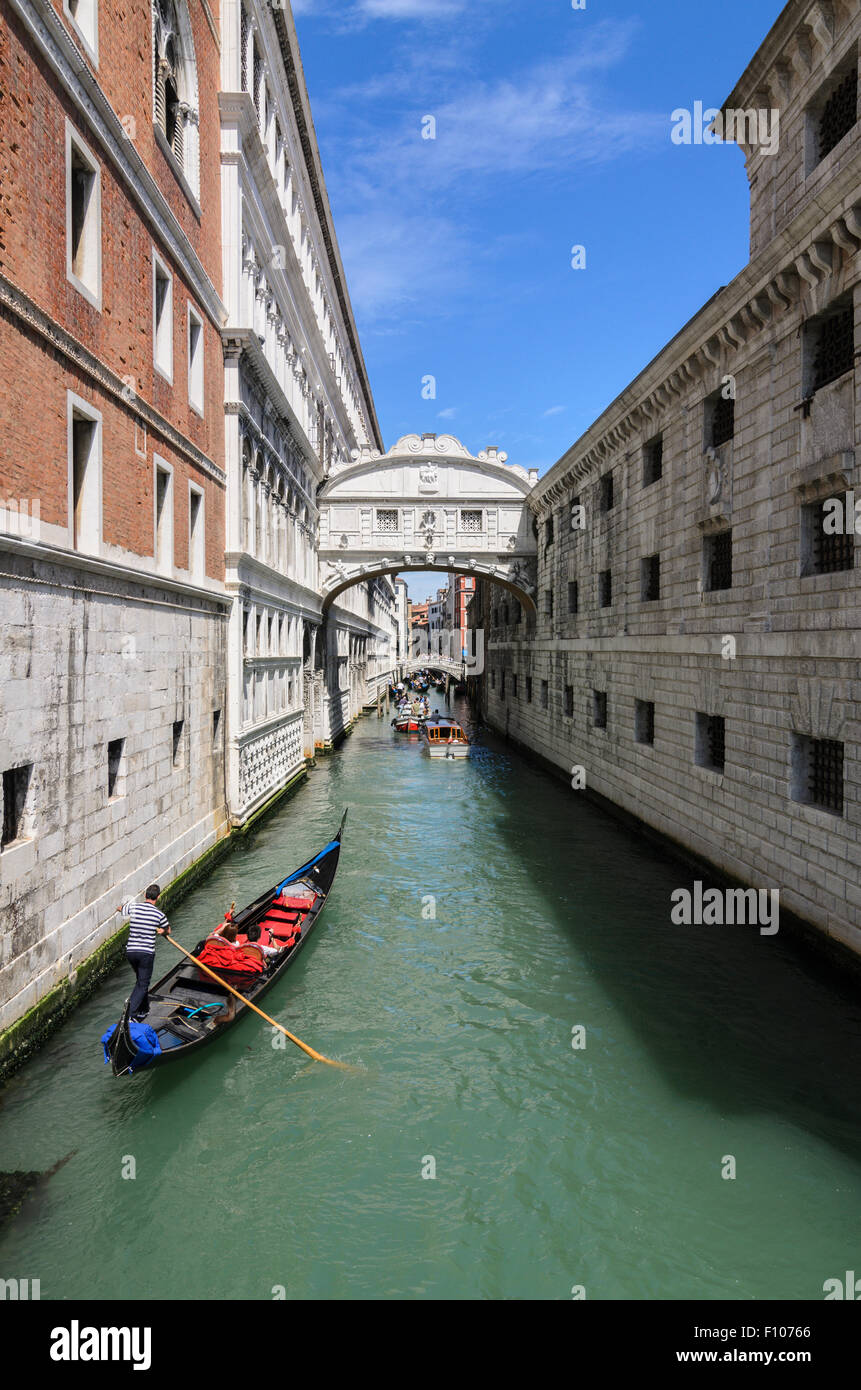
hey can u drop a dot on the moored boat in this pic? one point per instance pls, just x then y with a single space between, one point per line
185 1004
444 738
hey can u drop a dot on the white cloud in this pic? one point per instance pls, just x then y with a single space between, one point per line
447 414
554 410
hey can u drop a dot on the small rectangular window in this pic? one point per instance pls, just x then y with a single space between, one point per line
605 493
472 522
548 533
502 685
573 596
85 480
599 709
163 518
84 17
529 690
514 685
827 537
720 419
545 694
653 461
196 532
388 519
216 728
195 360
817 773
178 743
16 789
829 346
839 113
650 578
644 721
83 220
162 317
710 750
548 603
605 589
116 769
717 561
569 702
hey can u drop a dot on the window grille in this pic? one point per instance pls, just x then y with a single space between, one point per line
825 774
244 28
569 701
839 113
573 596
605 589
831 552
387 520
835 347
713 742
471 522
719 561
599 709
723 421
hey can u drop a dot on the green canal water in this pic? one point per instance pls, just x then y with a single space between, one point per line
555 1167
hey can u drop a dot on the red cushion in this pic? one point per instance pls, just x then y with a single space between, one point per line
302 903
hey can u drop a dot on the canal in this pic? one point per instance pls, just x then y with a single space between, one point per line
482 912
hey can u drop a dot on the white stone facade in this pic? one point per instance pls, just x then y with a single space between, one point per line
297 402
696 646
96 656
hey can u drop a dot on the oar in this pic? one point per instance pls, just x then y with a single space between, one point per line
318 1056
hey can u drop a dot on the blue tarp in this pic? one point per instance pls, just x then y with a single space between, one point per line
300 873
145 1040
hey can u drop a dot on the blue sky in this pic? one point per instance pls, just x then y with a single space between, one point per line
552 130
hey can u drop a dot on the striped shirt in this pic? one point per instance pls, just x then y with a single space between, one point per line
144 918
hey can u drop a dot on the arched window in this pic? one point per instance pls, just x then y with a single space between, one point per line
175 96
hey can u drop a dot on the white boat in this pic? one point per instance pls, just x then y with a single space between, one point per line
444 738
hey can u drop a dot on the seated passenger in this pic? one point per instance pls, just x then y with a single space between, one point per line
255 937
222 951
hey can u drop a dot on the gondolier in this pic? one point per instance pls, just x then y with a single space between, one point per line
146 922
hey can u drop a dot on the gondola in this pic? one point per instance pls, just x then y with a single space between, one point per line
185 1002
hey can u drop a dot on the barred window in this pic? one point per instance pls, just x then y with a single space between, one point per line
599 709
529 690
718 561
514 684
711 741
387 519
605 589
573 596
653 461
650 578
839 113
545 694
606 493
548 603
644 721
817 767
548 532
569 701
833 346
828 546
723 420
472 522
